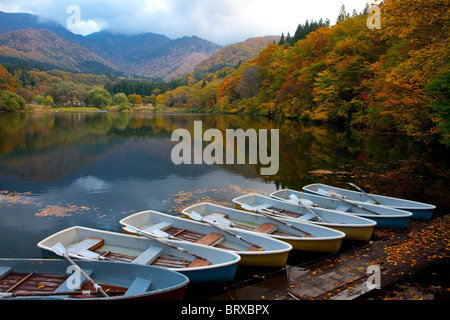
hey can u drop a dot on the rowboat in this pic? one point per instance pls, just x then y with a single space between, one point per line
263 251
42 279
300 235
355 228
420 211
385 217
200 264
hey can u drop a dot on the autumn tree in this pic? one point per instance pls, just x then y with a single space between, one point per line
99 98
9 101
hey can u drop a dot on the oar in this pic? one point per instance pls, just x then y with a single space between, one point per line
61 251
340 198
197 217
53 293
306 202
368 196
300 202
227 223
156 234
250 208
93 255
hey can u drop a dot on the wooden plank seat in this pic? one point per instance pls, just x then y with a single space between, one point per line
199 263
267 228
210 239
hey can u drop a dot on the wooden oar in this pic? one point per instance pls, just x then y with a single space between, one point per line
341 198
61 251
53 293
157 234
367 195
300 202
197 217
250 208
93 255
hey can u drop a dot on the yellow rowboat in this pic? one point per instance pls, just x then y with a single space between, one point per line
263 252
302 236
354 227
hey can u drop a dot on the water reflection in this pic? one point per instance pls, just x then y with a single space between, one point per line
94 169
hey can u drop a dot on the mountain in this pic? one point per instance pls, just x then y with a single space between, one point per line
232 55
44 47
148 55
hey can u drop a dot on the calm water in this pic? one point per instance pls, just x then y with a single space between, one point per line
62 170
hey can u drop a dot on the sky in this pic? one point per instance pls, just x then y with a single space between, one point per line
220 21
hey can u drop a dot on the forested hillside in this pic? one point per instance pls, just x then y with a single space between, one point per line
393 79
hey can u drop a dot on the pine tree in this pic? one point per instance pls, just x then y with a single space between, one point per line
282 40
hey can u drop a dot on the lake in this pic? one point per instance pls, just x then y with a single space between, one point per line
60 170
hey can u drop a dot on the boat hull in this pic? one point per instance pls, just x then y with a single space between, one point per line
355 228
419 210
222 269
322 240
385 218
164 284
275 253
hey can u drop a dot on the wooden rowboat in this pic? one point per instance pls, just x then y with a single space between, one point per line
385 217
301 235
355 228
211 265
43 279
420 211
268 252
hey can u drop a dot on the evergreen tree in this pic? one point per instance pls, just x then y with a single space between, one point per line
343 15
282 40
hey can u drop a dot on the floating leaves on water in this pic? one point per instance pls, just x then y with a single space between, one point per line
59 211
12 198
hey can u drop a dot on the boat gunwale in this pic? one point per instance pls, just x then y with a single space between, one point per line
286 246
423 206
368 222
339 234
236 257
401 213
143 295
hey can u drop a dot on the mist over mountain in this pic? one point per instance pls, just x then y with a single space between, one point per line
147 55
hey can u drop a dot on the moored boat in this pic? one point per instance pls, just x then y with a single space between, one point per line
385 217
301 235
43 279
265 251
355 228
200 264
419 210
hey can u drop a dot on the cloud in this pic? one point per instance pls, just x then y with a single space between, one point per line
220 21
